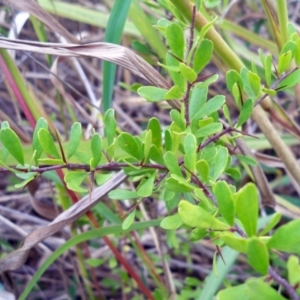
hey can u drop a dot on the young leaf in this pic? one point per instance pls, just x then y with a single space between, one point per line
171 222
245 112
145 188
219 163
293 268
254 81
110 126
128 220
96 147
36 146
224 198
147 143
258 255
175 39
195 216
197 99
75 137
286 238
289 81
203 170
154 126
173 93
178 119
209 129
152 93
211 106
177 77
297 52
232 78
247 208
120 194
202 55
129 145
233 241
171 162
13 144
284 62
47 143
187 72
246 83
273 222
268 69
190 148
226 113
74 179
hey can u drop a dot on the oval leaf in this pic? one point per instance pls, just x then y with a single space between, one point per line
75 137
47 143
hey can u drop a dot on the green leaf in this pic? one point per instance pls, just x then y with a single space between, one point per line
102 178
96 147
190 150
30 177
110 126
284 62
247 160
74 179
209 129
286 238
47 143
233 241
187 72
232 78
51 161
254 81
177 77
147 143
178 186
268 69
210 107
128 220
13 144
219 163
252 290
120 194
297 52
272 223
171 163
129 144
152 93
171 222
246 83
203 170
226 113
156 155
154 126
247 208
224 198
178 119
175 39
75 137
197 234
258 255
173 93
146 186
195 216
36 146
197 99
269 92
203 55
293 268
290 81
245 112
